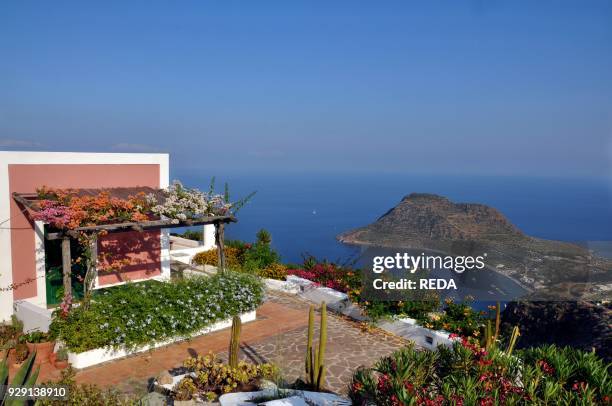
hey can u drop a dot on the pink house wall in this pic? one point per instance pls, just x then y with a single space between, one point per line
143 249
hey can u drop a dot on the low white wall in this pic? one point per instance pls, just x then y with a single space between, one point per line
33 317
185 255
282 286
100 355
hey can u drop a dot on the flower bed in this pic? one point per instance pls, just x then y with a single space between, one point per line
469 374
454 317
99 355
135 315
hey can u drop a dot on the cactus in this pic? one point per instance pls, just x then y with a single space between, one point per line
513 337
322 346
491 336
308 358
497 320
488 342
315 357
234 347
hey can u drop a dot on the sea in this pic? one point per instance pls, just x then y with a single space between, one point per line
305 212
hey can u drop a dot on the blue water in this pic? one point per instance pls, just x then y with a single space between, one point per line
305 212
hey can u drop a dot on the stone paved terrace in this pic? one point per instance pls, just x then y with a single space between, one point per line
278 335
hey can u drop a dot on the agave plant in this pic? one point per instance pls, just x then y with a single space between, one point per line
23 377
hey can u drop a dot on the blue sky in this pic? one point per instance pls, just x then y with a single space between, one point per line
485 87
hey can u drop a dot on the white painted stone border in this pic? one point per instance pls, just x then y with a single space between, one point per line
100 355
303 283
315 398
283 286
425 337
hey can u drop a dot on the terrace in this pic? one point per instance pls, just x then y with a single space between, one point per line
160 327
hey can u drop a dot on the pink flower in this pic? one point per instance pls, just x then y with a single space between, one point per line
53 213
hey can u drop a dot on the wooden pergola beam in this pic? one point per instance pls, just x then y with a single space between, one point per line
29 204
142 226
65 235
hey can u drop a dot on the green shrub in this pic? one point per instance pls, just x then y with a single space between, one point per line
274 271
142 313
467 374
259 256
242 256
264 237
457 318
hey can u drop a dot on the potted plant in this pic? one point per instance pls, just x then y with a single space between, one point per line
61 358
41 343
21 354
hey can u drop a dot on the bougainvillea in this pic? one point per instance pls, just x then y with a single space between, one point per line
184 203
66 209
330 275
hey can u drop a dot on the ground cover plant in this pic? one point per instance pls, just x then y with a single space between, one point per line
468 374
142 313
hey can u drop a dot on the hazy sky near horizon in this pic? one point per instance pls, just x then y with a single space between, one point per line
485 87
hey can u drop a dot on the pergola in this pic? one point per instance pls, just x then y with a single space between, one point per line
30 202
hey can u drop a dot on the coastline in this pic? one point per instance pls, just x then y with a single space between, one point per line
498 271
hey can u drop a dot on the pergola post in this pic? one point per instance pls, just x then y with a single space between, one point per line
92 271
220 242
66 266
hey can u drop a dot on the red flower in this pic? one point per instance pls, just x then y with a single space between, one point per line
545 367
357 386
409 387
486 402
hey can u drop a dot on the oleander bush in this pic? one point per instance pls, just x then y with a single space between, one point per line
468 374
142 313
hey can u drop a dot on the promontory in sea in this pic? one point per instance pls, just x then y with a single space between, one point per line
427 221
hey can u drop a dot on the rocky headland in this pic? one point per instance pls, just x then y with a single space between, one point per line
426 221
